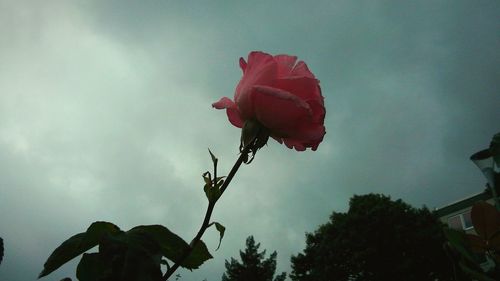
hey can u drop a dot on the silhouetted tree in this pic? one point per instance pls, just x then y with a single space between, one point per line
253 266
377 239
1 250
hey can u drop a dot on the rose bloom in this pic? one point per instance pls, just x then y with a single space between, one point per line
283 96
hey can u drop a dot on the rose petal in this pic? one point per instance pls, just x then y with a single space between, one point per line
278 110
305 88
278 139
233 114
300 146
310 136
224 102
306 134
285 64
243 64
261 69
310 132
318 110
291 143
301 69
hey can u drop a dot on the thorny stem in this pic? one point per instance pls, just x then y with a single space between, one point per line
210 208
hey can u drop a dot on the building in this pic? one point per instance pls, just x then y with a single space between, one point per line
457 216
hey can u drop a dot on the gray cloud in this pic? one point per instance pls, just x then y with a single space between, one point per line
105 115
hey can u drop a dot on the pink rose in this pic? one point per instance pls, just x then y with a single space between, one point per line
281 95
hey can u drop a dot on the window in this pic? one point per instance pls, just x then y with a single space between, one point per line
455 222
467 220
461 221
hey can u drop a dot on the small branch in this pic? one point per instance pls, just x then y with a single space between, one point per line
210 208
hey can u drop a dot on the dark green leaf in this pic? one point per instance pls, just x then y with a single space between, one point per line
208 178
221 229
97 230
214 159
207 188
197 257
219 181
138 238
68 250
212 192
129 256
140 264
77 245
459 242
90 268
173 247
475 274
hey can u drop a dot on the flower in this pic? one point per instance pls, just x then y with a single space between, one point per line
283 96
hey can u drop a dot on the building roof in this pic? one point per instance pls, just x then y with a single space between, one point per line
462 204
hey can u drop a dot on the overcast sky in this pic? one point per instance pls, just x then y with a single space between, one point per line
105 114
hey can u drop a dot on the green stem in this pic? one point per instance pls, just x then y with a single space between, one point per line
208 214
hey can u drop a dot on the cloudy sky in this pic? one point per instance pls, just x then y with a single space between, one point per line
105 114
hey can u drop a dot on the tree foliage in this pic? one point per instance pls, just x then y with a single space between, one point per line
377 239
253 266
1 250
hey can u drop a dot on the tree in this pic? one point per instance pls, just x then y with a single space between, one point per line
377 239
253 266
1 249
